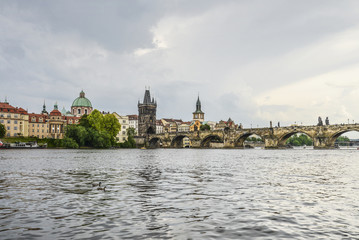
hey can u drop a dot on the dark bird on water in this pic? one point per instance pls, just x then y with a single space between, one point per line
96 184
102 188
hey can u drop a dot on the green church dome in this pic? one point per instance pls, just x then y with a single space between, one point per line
81 101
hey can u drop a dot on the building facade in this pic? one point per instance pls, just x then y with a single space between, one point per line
133 122
15 120
122 134
147 115
38 125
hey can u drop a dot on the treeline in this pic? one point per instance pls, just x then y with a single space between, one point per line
299 140
94 131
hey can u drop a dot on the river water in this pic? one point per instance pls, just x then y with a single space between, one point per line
179 194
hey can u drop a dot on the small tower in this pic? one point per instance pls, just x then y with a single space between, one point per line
198 114
147 115
44 109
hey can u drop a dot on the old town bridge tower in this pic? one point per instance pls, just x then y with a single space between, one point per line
147 115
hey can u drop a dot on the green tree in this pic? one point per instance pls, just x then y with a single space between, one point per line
2 130
205 127
96 120
299 140
111 125
130 142
69 143
95 130
84 121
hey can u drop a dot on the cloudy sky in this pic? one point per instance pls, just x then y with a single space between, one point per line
253 61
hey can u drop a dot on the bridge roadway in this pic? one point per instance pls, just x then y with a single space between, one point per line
323 136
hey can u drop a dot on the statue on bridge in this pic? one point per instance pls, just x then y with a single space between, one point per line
327 121
320 122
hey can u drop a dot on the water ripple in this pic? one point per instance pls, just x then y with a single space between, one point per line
179 194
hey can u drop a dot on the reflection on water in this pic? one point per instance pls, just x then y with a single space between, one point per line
181 194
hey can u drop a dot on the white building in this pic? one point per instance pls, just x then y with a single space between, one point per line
159 126
133 122
122 134
184 127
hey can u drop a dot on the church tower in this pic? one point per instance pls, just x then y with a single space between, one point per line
147 115
198 114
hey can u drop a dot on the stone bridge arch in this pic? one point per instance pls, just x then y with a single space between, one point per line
177 141
155 142
333 137
284 137
211 138
239 142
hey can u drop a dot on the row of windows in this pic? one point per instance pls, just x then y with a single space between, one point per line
79 111
38 130
8 121
9 115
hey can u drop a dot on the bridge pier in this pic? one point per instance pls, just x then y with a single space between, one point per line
323 143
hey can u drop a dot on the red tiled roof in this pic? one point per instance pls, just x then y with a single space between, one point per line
55 113
132 117
5 107
37 117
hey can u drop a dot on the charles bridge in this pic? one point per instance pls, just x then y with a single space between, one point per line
274 137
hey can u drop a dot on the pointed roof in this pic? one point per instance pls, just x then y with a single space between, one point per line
198 106
147 99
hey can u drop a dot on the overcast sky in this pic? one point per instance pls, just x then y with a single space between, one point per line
253 61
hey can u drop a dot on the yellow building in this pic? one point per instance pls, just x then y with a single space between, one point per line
15 120
38 125
195 126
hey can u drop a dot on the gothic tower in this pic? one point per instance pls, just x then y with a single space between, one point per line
147 115
198 114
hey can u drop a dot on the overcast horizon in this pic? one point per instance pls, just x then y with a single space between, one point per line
252 61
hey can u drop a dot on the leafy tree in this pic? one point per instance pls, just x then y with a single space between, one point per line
111 125
77 133
84 121
69 143
343 139
96 120
94 130
299 140
130 142
205 127
131 131
2 130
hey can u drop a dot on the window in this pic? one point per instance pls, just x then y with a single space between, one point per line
124 127
9 116
2 121
8 134
33 130
15 116
124 139
8 128
8 121
33 125
38 125
38 130
42 130
85 111
123 132
123 121
15 128
78 111
15 121
2 115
